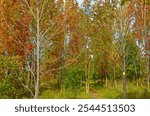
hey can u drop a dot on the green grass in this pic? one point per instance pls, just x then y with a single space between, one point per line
98 92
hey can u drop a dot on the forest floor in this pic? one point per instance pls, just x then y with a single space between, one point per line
98 92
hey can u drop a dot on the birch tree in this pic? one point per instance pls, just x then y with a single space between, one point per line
42 28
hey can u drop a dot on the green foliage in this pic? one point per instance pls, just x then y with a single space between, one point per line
6 89
132 60
10 86
72 82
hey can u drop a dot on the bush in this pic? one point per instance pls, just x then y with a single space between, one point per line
72 82
10 86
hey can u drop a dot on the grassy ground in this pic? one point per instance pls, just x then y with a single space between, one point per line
98 92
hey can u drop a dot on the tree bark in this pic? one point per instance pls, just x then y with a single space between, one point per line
147 76
115 82
147 52
38 55
123 55
87 77
124 70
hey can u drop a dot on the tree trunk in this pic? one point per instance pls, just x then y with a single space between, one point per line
37 55
124 70
87 74
123 55
106 81
147 52
115 82
87 78
87 86
147 76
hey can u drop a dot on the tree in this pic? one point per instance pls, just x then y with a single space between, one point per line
15 37
141 25
103 16
123 22
42 26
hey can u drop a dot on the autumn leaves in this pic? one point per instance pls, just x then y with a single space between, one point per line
58 43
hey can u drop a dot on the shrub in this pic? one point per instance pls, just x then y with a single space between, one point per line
72 82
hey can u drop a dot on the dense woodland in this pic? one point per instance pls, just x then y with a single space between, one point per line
60 49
